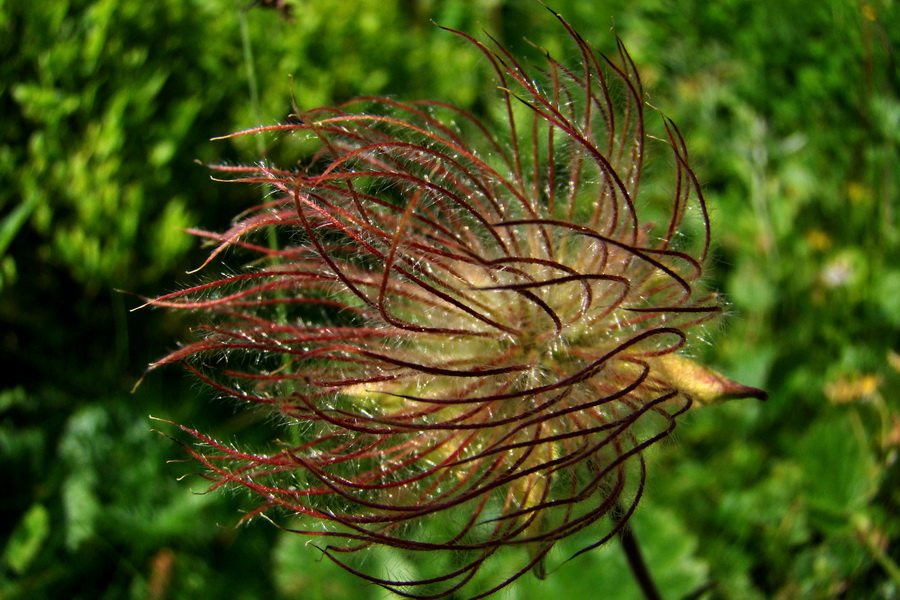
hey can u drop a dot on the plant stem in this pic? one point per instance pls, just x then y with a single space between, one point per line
252 82
636 563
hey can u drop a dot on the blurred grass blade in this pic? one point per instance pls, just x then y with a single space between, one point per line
12 223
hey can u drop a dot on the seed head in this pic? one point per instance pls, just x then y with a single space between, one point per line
469 332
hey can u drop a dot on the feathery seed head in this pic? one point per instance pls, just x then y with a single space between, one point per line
471 335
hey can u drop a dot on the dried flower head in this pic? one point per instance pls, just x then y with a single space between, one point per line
472 335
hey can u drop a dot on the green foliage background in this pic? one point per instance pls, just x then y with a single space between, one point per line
791 110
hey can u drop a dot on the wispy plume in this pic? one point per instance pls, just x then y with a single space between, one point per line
470 332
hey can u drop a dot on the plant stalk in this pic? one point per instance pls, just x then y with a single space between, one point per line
636 563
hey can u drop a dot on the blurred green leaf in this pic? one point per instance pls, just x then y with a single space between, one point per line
840 473
27 538
888 296
751 288
80 445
